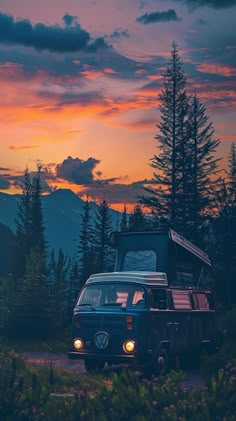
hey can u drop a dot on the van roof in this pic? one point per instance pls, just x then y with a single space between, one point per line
157 278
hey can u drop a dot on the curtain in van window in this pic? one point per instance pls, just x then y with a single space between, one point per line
181 300
203 302
140 260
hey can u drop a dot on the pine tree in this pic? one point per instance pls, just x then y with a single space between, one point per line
183 187
74 286
124 220
85 250
163 199
23 226
232 172
104 255
31 313
202 163
38 228
137 220
224 247
32 309
59 285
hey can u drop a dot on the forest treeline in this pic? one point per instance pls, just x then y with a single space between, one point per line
188 192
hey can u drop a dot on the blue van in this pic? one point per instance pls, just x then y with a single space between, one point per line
151 310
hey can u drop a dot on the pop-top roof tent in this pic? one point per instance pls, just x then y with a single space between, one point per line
160 251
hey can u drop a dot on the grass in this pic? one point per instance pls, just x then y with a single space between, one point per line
56 344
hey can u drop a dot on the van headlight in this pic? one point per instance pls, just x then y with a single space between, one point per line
78 344
129 346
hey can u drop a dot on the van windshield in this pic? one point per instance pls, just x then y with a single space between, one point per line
112 294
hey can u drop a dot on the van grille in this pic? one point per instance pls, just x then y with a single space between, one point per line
101 321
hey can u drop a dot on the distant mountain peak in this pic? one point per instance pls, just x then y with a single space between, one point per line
67 192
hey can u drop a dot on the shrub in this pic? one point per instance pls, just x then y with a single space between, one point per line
25 395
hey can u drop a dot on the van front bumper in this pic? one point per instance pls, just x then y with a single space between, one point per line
112 359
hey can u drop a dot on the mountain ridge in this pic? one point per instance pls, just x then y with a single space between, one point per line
62 211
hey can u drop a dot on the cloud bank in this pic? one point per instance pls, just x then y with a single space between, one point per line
154 17
215 4
55 38
76 170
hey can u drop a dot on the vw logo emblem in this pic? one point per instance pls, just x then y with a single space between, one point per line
101 340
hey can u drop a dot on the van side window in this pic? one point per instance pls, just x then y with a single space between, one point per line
181 300
159 299
201 301
184 273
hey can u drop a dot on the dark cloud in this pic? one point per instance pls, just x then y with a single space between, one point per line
4 183
77 171
96 45
153 17
118 33
71 65
69 19
117 193
43 37
215 4
69 98
4 169
6 180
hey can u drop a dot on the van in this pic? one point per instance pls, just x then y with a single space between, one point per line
149 317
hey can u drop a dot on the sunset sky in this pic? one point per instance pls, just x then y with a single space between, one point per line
80 81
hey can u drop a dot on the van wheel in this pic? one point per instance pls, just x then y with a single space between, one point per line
162 362
94 366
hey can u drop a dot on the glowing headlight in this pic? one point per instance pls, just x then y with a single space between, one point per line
129 346
78 343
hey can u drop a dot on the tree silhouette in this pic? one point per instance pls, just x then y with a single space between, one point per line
104 255
224 246
166 178
182 188
85 249
124 220
137 220
23 225
202 165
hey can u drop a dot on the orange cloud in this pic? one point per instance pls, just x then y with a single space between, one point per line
109 71
20 148
155 77
216 68
140 72
231 137
91 74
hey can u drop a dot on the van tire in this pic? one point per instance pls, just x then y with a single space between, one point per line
93 366
162 362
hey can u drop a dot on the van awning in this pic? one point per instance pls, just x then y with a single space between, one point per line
177 238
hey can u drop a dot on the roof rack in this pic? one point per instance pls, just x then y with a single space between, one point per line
157 278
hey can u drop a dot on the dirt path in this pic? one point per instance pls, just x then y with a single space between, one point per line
54 360
193 378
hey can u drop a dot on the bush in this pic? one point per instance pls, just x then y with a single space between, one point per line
21 397
212 363
227 323
128 396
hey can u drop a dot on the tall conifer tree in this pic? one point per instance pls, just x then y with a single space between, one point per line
137 220
85 250
164 197
124 220
104 255
38 228
182 184
23 225
202 163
